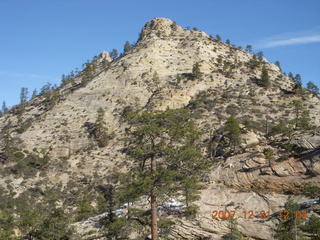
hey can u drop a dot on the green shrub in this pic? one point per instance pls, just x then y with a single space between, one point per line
281 128
191 210
30 165
196 73
24 125
232 109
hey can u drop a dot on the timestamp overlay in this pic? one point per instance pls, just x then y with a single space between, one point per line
258 214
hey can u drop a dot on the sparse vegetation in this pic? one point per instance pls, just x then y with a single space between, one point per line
99 130
34 220
234 233
114 53
196 72
233 132
289 226
265 79
314 89
302 119
249 48
127 47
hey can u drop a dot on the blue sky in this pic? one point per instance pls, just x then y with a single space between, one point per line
42 39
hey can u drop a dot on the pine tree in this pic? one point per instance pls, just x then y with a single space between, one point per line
289 224
45 88
4 107
233 132
155 81
311 191
302 118
249 48
277 63
297 80
234 233
290 75
312 227
313 88
100 131
162 146
196 73
84 207
127 47
269 155
23 95
218 37
265 80
114 53
42 220
6 224
260 55
34 94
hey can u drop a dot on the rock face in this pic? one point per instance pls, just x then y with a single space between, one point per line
157 74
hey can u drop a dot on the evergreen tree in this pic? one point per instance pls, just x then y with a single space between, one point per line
6 224
88 72
269 155
46 88
297 80
228 42
265 80
115 227
218 37
114 53
233 132
311 191
312 227
64 79
34 94
84 207
277 63
4 108
155 82
249 48
313 88
302 118
234 233
290 75
127 47
23 95
260 55
196 73
163 148
289 224
100 131
42 220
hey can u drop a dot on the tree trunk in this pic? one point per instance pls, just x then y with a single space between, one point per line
154 216
154 213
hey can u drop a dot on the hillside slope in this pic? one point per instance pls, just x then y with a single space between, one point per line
157 74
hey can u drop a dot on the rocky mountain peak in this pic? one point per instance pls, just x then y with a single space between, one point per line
159 27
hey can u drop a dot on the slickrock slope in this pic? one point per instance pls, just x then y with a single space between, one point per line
156 74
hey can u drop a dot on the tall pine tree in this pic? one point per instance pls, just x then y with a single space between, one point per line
165 159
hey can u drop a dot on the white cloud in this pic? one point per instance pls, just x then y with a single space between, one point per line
26 75
292 41
287 39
